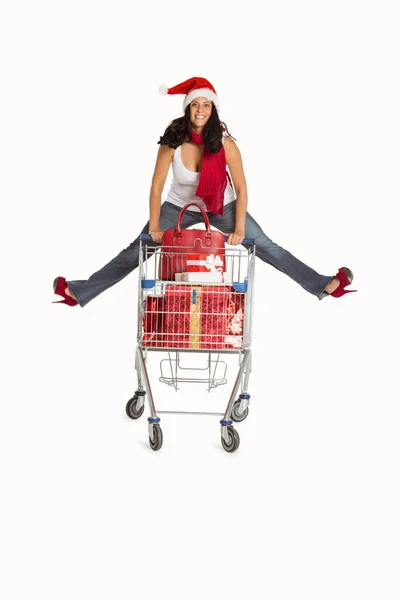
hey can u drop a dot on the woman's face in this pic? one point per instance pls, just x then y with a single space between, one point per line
200 112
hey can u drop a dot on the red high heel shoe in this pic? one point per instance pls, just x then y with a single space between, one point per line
59 286
345 277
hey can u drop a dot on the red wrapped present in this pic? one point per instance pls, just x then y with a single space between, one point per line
206 317
176 325
214 302
153 310
166 319
235 320
222 319
204 263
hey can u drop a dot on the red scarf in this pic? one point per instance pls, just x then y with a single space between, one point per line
213 177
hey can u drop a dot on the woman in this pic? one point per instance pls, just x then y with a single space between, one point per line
199 148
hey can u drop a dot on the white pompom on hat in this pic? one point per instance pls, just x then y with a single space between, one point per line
195 87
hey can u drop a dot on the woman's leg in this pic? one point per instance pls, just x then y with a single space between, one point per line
127 260
273 254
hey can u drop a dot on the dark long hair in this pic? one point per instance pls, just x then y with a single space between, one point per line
180 130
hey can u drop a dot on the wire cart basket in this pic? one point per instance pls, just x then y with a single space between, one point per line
201 307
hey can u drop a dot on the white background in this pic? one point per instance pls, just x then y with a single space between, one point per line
308 505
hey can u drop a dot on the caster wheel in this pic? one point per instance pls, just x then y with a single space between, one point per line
236 415
131 409
157 441
234 440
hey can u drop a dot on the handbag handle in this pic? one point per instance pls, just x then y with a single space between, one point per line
178 231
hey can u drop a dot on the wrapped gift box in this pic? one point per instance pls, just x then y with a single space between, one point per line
153 307
206 317
174 260
205 263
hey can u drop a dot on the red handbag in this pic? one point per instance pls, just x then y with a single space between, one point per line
177 243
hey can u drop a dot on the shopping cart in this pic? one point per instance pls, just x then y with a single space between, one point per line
206 311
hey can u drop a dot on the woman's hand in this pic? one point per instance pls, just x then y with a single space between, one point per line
236 238
156 236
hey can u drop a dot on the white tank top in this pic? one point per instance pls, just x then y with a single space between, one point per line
184 185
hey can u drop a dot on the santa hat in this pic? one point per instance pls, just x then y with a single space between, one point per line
195 87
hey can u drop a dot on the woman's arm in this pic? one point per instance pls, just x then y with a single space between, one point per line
234 162
163 163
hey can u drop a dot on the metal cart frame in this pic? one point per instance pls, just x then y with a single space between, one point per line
240 265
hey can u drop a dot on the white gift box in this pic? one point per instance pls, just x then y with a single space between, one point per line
202 277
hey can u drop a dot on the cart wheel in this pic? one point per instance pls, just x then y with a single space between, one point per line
157 441
236 415
131 410
234 440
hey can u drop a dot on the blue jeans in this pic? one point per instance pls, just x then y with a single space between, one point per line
128 260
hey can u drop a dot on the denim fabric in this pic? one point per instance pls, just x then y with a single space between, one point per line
128 260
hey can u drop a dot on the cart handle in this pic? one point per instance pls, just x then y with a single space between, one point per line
145 236
245 241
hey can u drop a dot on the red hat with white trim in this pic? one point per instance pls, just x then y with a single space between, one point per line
195 87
